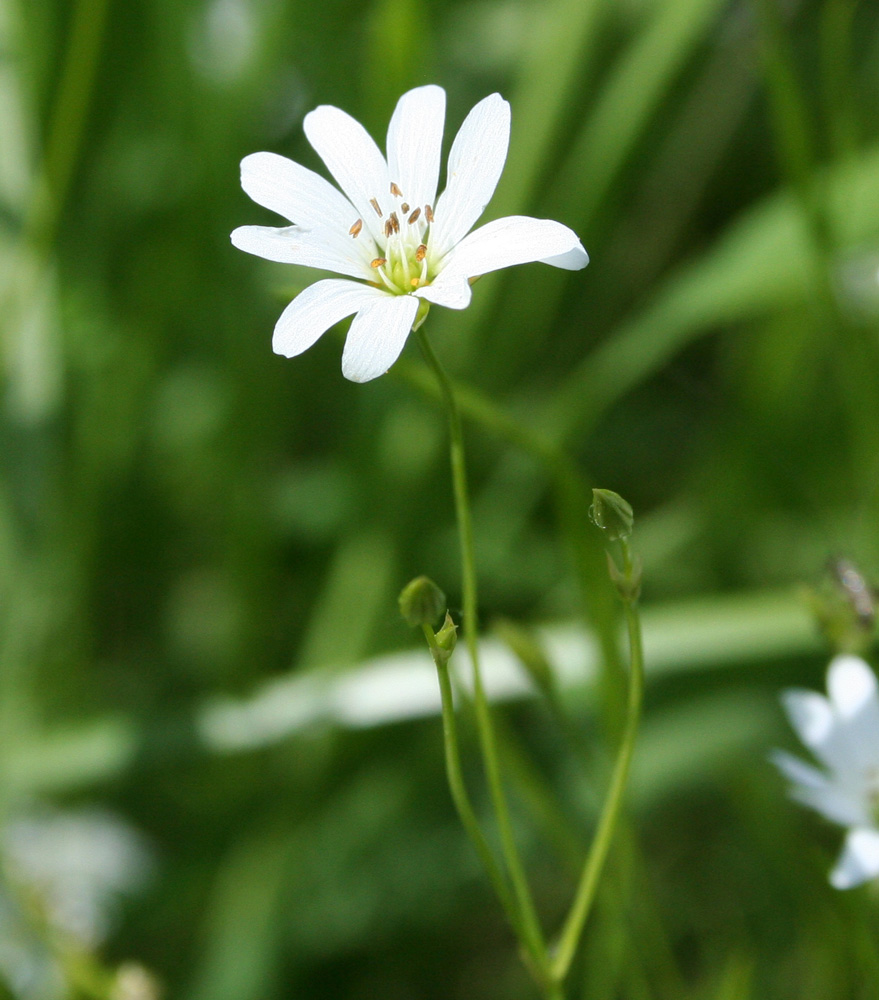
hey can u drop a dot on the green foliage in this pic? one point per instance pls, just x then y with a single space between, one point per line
189 524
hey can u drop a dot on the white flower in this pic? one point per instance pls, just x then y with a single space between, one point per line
78 864
843 733
404 248
62 877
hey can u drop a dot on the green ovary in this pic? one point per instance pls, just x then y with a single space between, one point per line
403 272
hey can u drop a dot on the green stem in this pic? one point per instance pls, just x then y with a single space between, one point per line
573 928
572 497
533 936
459 789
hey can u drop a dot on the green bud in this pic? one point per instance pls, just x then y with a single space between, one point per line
612 514
421 602
447 637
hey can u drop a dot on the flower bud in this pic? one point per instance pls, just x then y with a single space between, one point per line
447 637
612 514
421 602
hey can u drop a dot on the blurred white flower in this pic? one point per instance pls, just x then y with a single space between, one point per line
842 731
405 248
61 878
225 40
78 864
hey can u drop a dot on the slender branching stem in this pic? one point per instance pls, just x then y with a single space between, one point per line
532 934
459 790
572 930
572 497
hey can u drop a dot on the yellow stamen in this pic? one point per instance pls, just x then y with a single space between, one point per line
395 191
379 261
414 216
355 229
374 203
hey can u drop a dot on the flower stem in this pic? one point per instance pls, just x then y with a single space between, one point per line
569 937
572 497
532 936
459 789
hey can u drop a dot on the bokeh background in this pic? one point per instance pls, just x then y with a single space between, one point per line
204 769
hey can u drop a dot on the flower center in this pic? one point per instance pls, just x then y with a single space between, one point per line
402 264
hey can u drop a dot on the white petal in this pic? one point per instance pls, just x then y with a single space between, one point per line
377 336
815 790
796 771
834 803
812 716
322 248
415 138
453 293
515 239
294 191
853 692
572 260
353 158
315 310
851 685
475 164
859 861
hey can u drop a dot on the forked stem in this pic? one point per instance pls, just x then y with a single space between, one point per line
532 936
459 790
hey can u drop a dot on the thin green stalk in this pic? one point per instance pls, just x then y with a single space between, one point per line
573 927
459 789
572 499
533 936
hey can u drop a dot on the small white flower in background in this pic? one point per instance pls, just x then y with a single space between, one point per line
404 247
842 731
79 864
72 869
